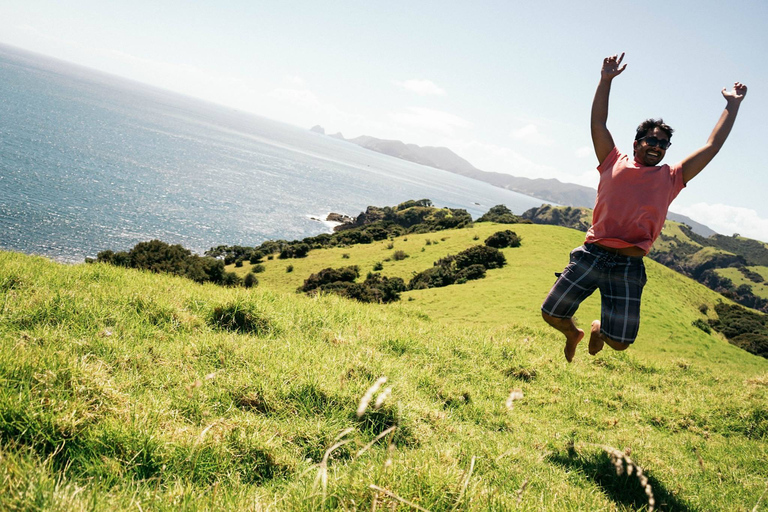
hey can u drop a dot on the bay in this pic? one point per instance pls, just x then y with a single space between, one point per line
90 162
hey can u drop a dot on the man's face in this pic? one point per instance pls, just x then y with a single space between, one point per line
650 155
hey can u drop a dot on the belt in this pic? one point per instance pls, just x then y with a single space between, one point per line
622 252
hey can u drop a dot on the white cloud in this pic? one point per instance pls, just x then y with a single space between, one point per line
530 134
294 80
430 120
421 87
301 97
727 219
584 152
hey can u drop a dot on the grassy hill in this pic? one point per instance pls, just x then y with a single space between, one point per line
123 389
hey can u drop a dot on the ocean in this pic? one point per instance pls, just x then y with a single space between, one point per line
90 162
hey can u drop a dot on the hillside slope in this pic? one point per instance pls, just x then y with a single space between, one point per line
514 293
125 390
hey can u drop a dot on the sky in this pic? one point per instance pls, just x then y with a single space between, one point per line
507 85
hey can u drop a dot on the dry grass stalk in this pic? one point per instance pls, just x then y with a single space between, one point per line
622 463
516 394
390 454
369 395
519 492
466 483
382 396
322 470
757 505
701 461
343 433
368 446
396 497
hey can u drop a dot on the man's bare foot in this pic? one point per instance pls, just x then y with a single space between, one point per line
596 342
571 342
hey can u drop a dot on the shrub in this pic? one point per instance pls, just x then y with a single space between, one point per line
701 324
345 256
468 264
471 272
378 266
375 288
239 263
289 269
258 268
231 279
330 275
489 257
435 277
500 214
502 239
399 255
294 251
250 281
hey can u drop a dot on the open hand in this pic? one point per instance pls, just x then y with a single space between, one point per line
737 93
611 67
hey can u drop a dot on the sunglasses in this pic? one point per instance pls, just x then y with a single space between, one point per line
653 141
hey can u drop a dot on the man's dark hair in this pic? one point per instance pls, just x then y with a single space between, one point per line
649 124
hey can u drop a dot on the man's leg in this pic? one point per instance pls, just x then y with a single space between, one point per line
621 294
576 283
573 335
598 339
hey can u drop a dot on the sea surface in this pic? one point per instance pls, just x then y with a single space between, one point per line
90 162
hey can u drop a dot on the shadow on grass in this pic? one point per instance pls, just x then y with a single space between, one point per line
624 490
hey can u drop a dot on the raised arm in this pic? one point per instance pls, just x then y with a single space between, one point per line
601 137
697 160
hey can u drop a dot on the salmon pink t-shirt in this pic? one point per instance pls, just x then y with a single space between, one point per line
632 201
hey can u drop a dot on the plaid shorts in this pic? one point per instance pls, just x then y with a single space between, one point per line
620 280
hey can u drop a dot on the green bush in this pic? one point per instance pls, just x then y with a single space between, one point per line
250 281
502 239
701 324
399 255
341 281
330 275
460 268
500 214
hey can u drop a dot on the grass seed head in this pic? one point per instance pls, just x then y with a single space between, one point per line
368 396
516 394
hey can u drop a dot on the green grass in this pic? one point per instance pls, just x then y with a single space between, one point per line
129 390
759 289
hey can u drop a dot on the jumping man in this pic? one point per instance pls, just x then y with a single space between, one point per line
632 201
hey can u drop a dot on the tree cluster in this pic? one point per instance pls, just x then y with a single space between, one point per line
569 217
743 328
341 281
503 215
503 239
158 256
457 269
